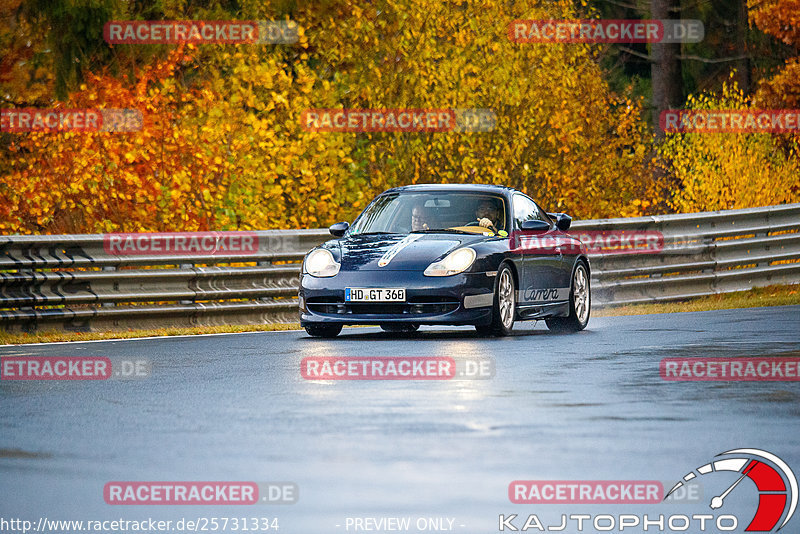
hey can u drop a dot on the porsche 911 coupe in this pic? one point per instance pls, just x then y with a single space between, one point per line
452 254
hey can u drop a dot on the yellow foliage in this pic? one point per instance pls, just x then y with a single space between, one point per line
715 171
223 145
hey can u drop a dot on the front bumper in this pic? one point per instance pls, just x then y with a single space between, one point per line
429 300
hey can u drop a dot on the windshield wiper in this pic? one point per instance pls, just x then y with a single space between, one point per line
440 231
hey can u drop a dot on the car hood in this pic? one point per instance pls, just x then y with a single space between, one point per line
396 252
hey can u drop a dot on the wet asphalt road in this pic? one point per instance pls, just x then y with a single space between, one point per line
234 407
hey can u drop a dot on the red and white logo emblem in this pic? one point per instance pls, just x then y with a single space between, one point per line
775 481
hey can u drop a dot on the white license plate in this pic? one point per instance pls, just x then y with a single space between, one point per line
374 294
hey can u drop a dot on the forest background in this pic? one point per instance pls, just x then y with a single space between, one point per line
223 145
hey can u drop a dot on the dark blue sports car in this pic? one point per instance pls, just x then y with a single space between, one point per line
479 255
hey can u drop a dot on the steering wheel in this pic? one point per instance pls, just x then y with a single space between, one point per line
478 223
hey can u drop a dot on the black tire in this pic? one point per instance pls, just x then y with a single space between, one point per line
505 304
400 328
577 320
323 330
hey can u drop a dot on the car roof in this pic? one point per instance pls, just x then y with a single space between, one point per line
471 188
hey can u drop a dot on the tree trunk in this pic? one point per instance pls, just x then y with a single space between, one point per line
743 65
666 66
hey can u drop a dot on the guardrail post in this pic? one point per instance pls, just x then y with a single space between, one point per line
710 240
264 263
187 266
30 326
115 286
30 286
763 235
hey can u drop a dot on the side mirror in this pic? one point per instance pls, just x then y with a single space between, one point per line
338 229
563 221
535 225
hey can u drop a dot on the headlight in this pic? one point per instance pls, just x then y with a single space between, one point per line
320 263
456 262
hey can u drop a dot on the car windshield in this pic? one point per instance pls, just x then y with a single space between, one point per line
403 213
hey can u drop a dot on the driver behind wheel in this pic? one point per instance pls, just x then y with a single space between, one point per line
487 213
421 218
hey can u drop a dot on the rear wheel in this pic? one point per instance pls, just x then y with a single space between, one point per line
580 303
504 308
401 328
323 330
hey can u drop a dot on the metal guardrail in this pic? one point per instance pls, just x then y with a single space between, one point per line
79 282
703 254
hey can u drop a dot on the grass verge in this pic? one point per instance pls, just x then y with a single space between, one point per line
763 296
51 336
753 298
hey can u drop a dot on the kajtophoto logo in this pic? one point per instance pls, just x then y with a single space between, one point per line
776 483
774 499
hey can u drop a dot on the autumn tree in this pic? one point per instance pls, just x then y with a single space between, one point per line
780 19
715 171
224 146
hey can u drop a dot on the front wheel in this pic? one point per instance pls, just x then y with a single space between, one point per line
323 330
505 303
580 303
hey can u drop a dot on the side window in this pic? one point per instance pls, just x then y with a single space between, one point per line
543 214
526 210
